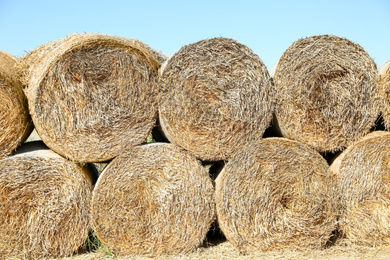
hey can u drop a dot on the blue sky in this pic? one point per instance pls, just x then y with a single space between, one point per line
267 27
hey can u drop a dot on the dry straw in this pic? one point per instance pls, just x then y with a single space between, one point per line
276 194
15 122
384 84
217 96
44 205
155 199
327 92
363 181
91 96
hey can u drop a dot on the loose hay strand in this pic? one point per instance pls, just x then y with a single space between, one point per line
155 199
275 194
92 96
15 122
363 184
216 96
327 92
44 205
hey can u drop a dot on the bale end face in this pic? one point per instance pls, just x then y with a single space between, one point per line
155 199
276 194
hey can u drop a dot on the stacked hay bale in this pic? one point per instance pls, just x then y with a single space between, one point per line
363 181
327 92
44 205
384 84
216 96
275 194
91 96
15 122
155 199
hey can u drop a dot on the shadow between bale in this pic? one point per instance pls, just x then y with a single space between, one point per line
327 92
154 199
44 205
216 95
91 96
276 194
15 121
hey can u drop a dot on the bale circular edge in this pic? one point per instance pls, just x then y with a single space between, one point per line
15 121
91 96
154 199
216 96
327 92
275 194
363 182
44 205
384 84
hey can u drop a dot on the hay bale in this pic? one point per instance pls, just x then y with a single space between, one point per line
155 199
91 96
276 194
363 182
384 85
216 96
327 92
15 121
44 204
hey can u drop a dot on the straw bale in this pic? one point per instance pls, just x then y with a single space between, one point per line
363 182
327 92
276 194
155 199
44 204
91 96
216 96
384 84
15 121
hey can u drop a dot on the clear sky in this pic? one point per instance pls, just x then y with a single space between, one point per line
267 27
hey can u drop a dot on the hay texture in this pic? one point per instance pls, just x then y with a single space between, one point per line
216 96
156 199
276 194
363 180
15 121
91 96
44 205
384 84
327 92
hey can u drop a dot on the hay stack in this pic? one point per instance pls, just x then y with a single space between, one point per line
275 194
91 96
384 84
364 186
156 199
15 122
217 96
327 92
44 205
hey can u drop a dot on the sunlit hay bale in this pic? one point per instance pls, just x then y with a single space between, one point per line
327 92
156 199
275 194
384 84
15 122
217 96
92 96
44 204
363 181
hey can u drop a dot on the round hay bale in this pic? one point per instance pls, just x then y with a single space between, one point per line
44 204
216 96
327 92
384 84
363 180
15 121
155 199
275 194
92 96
